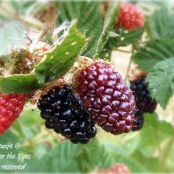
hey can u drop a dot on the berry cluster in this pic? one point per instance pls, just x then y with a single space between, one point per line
144 101
98 95
11 106
106 97
64 112
130 17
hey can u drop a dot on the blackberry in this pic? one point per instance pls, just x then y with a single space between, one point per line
139 121
144 101
64 112
106 97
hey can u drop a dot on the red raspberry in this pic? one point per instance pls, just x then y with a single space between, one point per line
130 17
11 106
107 98
118 169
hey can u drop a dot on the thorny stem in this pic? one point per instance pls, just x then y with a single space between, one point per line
52 16
133 49
51 21
43 33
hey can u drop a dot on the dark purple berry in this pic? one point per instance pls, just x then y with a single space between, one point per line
139 121
144 101
108 100
64 112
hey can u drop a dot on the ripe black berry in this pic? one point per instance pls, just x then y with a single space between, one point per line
144 101
139 121
109 101
64 112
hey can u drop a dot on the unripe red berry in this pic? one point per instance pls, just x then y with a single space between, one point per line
118 168
11 106
130 17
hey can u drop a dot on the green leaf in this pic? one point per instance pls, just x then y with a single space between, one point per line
58 60
161 81
134 165
30 116
89 21
19 83
12 35
16 129
153 138
108 24
153 52
122 148
153 6
153 134
153 166
23 6
8 137
124 37
30 121
67 157
88 16
122 143
161 24
60 158
86 159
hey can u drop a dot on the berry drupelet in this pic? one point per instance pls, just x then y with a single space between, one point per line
130 17
108 100
139 121
144 101
64 112
11 106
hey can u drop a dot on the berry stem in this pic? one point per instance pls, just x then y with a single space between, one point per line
124 51
52 16
129 65
134 48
